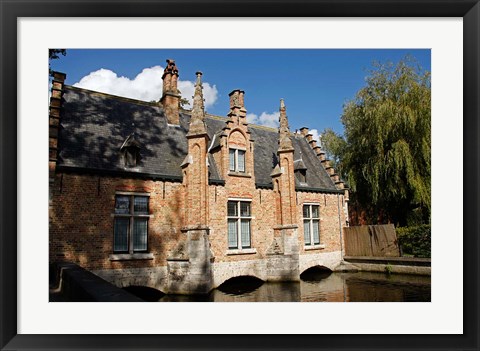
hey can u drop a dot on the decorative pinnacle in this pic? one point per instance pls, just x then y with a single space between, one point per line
284 140
197 124
199 78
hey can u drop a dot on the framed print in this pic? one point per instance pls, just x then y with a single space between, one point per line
446 318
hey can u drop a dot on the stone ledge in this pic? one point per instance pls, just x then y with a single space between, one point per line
241 252
314 247
130 257
239 174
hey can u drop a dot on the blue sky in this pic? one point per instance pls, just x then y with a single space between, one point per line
315 83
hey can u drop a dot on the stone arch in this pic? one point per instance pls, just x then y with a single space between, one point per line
146 293
224 272
304 266
237 137
316 266
233 276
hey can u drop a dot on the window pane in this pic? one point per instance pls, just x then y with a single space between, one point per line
316 231
140 204
306 211
232 234
233 208
241 161
120 235
306 232
232 159
245 227
315 212
122 204
140 234
245 209
131 158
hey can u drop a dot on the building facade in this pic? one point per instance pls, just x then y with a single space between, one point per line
179 200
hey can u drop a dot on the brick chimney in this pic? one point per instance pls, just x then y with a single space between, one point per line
237 104
171 95
54 118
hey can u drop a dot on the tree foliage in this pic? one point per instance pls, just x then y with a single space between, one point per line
334 145
386 157
54 54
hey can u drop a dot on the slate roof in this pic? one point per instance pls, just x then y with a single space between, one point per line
94 127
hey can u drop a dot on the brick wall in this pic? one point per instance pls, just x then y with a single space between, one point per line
82 223
81 228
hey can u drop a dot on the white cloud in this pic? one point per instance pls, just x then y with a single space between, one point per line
315 134
265 119
146 86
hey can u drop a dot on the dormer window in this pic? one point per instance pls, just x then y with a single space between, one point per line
301 175
300 171
237 160
131 151
131 157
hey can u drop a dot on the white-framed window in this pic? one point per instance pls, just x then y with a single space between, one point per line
130 229
239 224
311 224
237 160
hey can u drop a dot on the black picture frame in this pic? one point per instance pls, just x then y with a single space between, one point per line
11 10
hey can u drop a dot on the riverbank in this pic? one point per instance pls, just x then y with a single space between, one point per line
396 265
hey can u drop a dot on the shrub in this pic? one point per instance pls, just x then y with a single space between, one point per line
415 240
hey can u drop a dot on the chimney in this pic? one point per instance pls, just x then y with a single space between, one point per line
54 118
237 104
171 95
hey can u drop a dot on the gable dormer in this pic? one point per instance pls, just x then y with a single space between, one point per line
300 171
238 143
130 151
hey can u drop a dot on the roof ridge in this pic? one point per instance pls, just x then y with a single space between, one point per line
156 104
95 92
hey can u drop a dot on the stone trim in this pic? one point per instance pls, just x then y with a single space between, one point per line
314 247
130 257
239 174
249 251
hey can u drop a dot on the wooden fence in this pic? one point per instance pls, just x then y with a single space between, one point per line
371 240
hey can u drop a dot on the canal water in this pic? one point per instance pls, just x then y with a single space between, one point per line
320 286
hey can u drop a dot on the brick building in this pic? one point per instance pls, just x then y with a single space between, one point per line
151 194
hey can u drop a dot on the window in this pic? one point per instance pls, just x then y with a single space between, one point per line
130 232
239 218
131 157
311 224
301 175
237 160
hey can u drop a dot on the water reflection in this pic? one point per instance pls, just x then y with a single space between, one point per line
321 286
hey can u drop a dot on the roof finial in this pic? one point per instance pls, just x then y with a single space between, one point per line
197 124
285 142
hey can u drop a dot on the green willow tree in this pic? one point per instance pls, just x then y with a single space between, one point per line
386 159
334 146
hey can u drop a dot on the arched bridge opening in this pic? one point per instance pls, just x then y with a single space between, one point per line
315 273
144 292
240 285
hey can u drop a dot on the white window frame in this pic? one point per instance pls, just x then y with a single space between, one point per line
236 164
239 219
131 217
310 220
